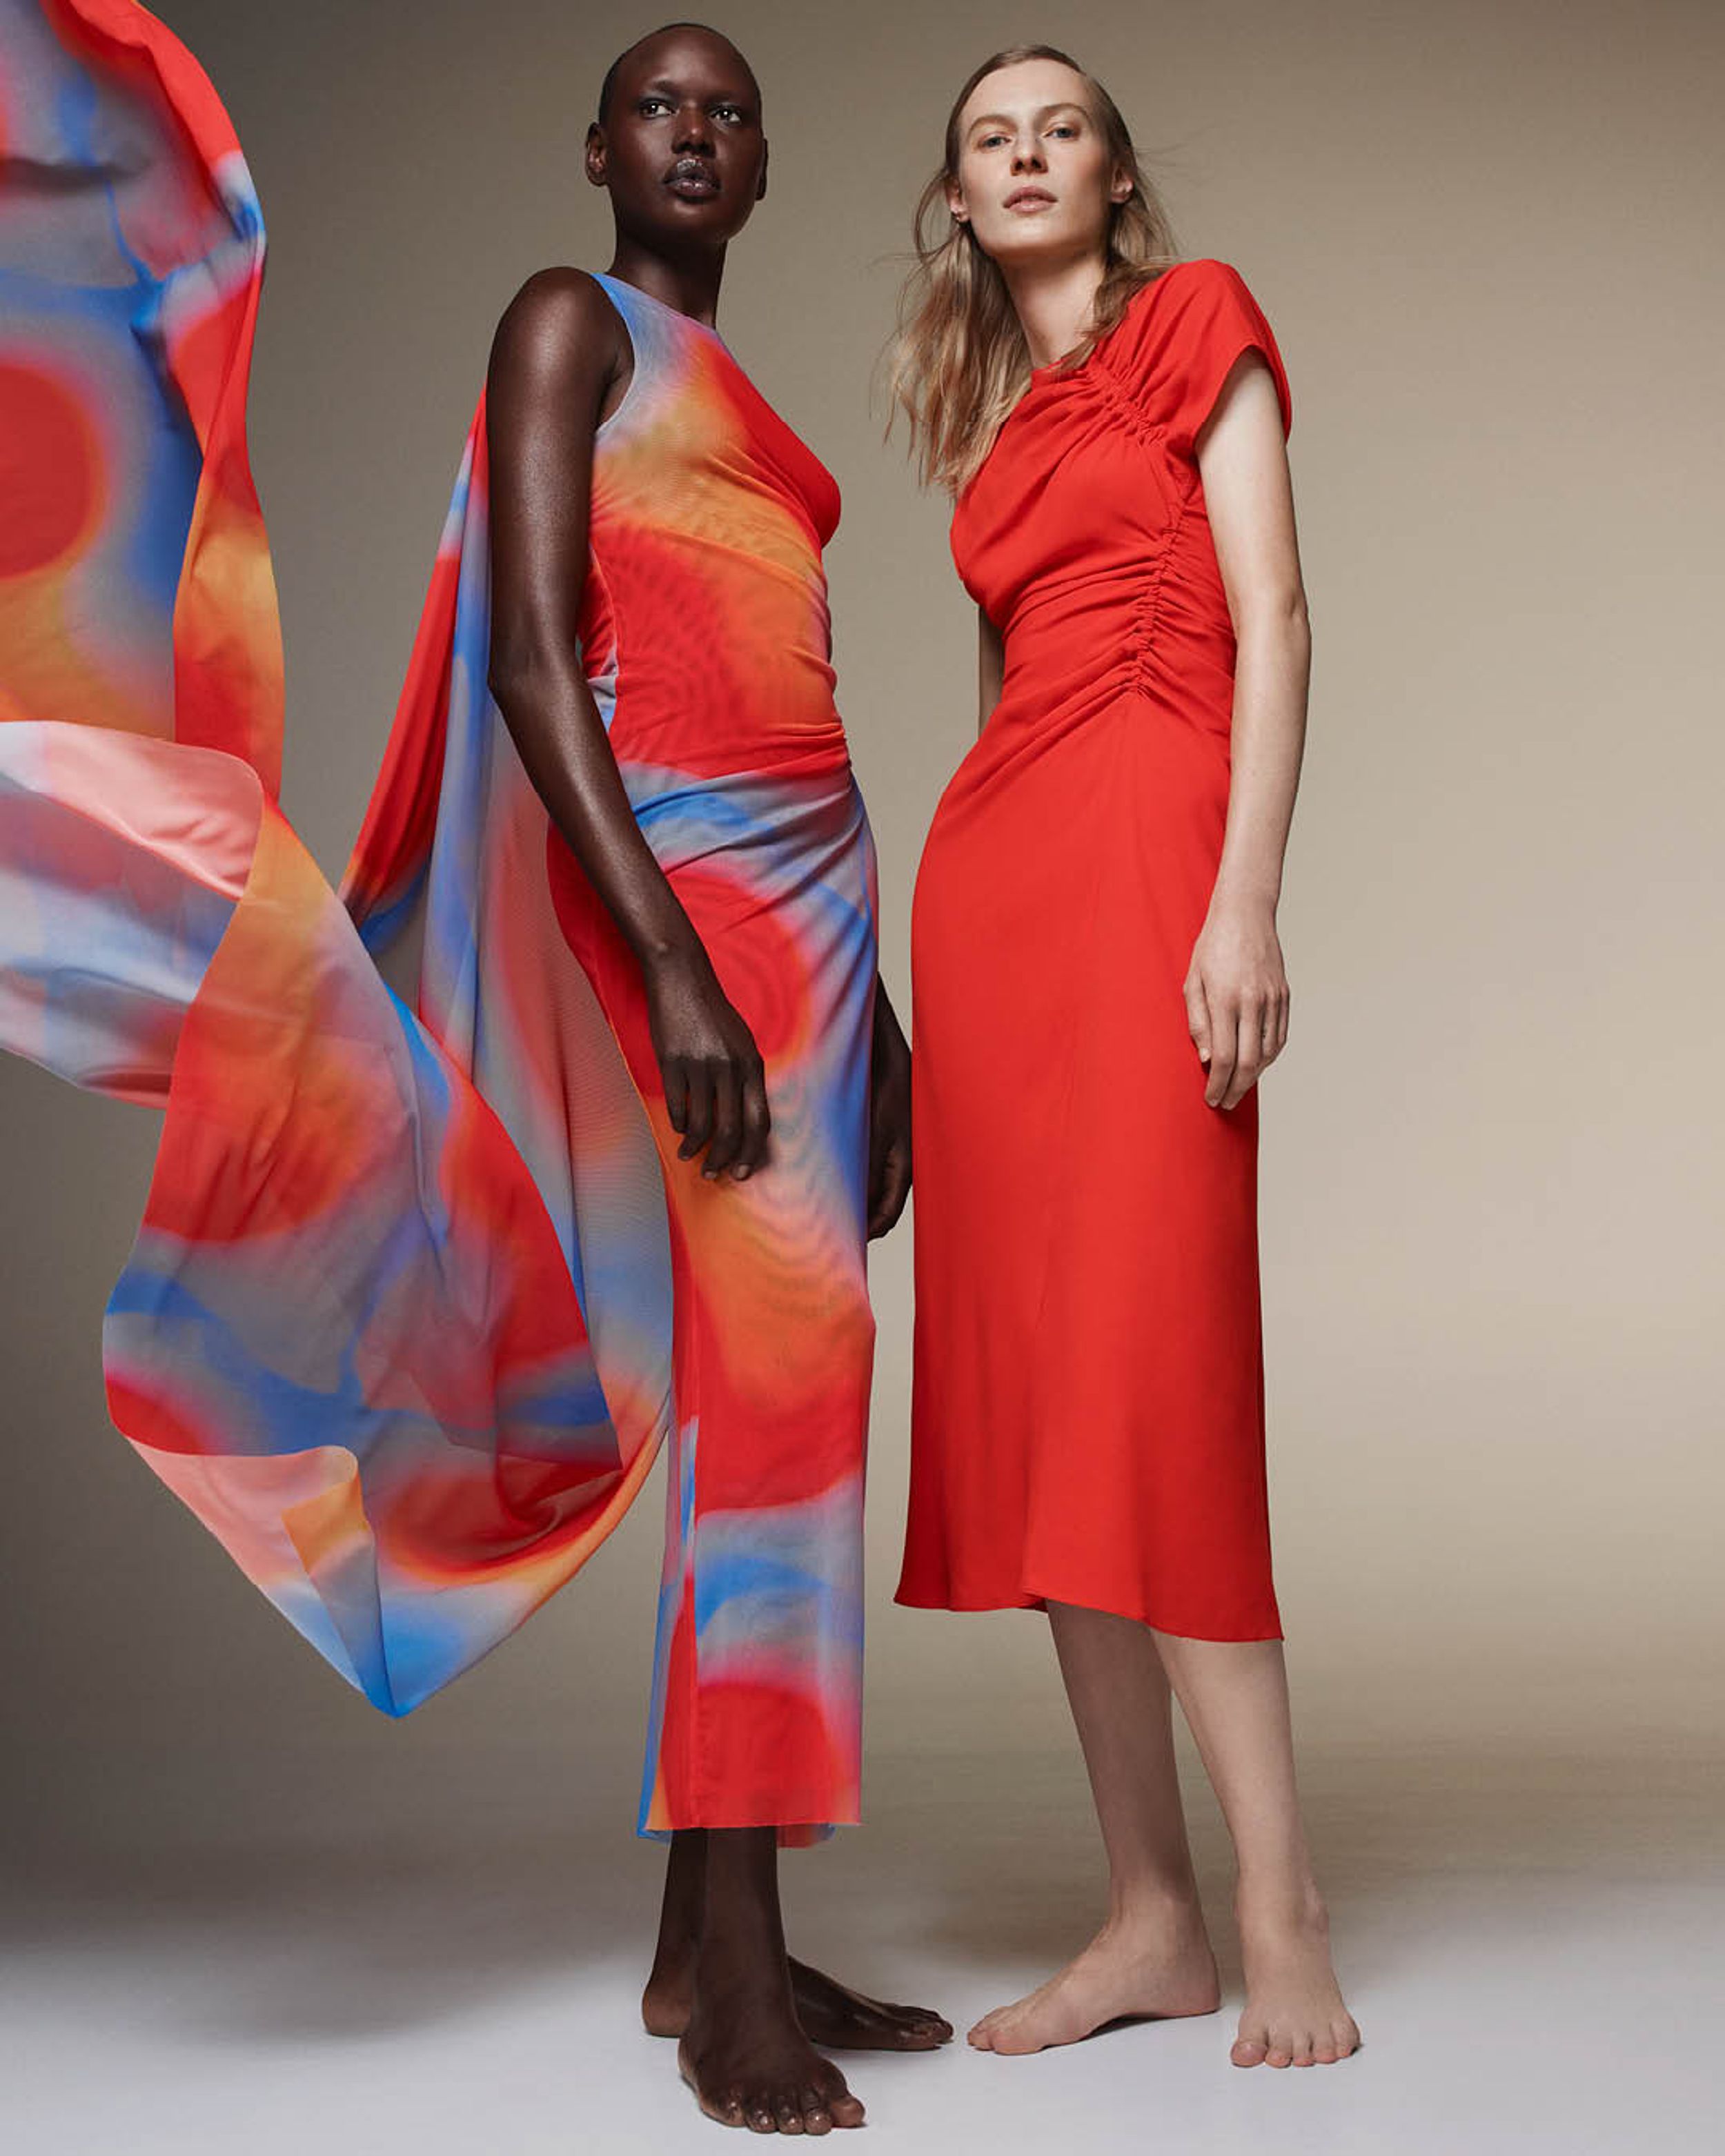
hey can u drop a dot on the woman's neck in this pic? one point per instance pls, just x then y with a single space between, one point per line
1055 303
689 283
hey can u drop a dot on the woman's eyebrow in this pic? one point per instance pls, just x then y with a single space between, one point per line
664 87
1042 113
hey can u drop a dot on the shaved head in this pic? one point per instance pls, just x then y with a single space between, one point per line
665 30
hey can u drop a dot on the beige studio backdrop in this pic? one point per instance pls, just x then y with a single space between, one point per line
1486 236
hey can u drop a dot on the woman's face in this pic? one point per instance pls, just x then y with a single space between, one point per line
680 148
1035 181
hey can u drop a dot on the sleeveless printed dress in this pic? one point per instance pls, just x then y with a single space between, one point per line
420 1290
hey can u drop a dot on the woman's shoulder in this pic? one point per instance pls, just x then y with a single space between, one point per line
561 298
560 318
1181 333
1178 302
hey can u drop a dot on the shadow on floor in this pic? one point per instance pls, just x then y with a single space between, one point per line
982 1866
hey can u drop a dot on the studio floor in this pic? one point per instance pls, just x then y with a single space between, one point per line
1527 1942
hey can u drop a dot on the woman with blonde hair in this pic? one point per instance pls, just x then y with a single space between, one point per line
1098 986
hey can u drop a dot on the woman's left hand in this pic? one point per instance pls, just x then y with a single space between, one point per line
889 1118
1236 1000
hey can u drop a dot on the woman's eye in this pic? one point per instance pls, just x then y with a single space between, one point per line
1063 128
991 141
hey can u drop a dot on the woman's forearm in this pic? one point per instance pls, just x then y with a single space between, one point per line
567 755
1272 669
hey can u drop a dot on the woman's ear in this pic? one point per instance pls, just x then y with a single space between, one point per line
955 203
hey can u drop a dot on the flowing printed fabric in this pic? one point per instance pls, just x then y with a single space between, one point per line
409 1313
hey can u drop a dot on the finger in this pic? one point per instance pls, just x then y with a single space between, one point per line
1224 1038
1274 1033
756 1122
1197 1019
727 1120
897 1196
892 1188
1284 1008
1248 1053
676 1093
698 1120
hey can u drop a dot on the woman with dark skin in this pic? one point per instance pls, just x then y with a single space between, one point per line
679 147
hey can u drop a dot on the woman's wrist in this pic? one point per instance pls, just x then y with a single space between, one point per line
1245 895
668 947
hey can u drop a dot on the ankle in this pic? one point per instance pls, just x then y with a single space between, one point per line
1153 1904
733 1975
1281 1902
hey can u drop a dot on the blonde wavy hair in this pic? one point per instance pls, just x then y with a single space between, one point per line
959 362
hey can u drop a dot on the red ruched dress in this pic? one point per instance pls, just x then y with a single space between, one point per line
1088 1421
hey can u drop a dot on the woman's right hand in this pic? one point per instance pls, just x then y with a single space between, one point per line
715 1081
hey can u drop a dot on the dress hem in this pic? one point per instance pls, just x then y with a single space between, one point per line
966 1606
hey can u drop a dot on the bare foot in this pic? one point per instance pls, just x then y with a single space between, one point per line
750 2065
1148 1969
1294 2015
830 2014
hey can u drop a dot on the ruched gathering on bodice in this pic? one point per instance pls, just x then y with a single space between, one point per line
1085 537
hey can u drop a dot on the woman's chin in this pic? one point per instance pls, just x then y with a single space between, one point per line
1028 241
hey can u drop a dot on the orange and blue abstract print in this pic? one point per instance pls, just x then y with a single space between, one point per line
420 1291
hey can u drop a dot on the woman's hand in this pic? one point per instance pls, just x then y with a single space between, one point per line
889 1118
715 1081
1236 1000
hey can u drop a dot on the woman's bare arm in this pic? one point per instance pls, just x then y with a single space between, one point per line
560 352
1237 988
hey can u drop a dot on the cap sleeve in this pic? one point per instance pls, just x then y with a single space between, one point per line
1181 337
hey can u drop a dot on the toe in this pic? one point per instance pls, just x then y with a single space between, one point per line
842 2107
1324 2052
1303 2052
790 2117
1250 2049
1012 2040
760 2112
816 2117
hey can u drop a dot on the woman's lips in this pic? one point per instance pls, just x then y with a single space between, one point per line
693 181
1029 198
